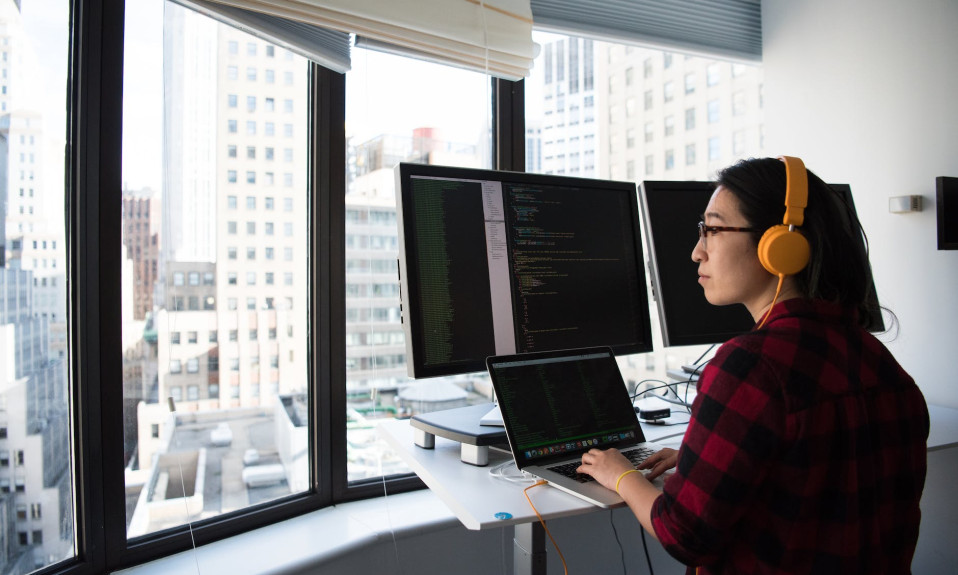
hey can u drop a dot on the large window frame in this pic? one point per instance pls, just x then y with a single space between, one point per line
94 187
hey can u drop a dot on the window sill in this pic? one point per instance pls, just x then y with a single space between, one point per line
309 541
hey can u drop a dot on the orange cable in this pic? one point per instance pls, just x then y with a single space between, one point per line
542 521
781 280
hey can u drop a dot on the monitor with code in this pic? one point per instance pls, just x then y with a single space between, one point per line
495 263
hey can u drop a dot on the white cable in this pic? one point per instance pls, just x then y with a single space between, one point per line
498 472
389 521
485 39
186 503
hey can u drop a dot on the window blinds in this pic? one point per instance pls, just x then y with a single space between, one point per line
486 35
329 48
729 28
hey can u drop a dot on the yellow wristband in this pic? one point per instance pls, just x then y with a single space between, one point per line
624 473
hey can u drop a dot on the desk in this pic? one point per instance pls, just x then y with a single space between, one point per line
476 497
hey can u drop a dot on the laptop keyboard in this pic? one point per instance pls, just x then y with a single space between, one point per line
635 456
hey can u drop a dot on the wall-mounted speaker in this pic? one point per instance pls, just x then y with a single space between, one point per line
947 212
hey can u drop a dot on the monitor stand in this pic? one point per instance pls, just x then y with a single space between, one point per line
462 425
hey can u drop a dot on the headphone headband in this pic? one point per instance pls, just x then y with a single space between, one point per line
796 190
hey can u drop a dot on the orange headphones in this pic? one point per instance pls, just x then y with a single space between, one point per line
783 250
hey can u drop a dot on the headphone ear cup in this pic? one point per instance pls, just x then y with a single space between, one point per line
783 252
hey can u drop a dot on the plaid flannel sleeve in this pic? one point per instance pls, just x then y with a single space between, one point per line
735 428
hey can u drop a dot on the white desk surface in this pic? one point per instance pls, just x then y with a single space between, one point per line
473 494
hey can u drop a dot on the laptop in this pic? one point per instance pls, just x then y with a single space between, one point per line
556 405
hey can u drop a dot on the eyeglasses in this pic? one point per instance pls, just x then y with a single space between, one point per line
705 230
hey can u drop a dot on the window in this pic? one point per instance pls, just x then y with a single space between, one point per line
738 103
289 335
713 111
690 119
712 74
715 152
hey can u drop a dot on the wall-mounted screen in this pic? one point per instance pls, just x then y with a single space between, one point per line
495 263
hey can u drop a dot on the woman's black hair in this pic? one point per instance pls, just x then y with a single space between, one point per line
838 269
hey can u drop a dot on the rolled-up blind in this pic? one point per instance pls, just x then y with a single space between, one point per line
486 35
730 28
329 48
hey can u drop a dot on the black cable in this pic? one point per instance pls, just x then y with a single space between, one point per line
616 531
646 547
679 400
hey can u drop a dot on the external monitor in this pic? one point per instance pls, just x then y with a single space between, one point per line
495 263
671 211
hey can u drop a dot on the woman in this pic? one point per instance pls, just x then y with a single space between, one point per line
806 448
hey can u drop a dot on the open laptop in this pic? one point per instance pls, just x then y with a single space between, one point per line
557 405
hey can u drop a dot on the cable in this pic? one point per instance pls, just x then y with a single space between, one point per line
646 547
616 532
670 436
668 387
389 520
172 405
698 362
498 472
525 492
778 290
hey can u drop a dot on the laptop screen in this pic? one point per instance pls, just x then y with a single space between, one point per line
557 404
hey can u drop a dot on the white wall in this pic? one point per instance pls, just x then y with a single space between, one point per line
865 91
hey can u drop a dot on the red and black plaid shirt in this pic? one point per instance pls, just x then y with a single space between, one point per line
805 453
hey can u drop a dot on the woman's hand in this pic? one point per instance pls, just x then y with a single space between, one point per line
604 466
659 462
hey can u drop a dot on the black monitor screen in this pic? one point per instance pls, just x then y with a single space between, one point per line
671 212
495 263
